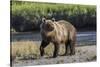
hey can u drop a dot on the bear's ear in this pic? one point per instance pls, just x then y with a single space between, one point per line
43 19
53 19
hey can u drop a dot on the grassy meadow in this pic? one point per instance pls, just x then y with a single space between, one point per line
30 50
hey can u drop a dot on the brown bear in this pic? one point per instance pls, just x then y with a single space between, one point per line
57 32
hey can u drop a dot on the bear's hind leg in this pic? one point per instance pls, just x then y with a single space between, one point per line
72 48
56 50
67 48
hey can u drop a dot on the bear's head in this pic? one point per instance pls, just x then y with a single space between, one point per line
47 25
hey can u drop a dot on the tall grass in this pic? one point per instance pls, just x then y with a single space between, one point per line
30 50
24 50
27 15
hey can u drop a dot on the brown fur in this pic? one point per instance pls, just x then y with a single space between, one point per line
58 32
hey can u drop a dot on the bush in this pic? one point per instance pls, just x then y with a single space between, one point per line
26 16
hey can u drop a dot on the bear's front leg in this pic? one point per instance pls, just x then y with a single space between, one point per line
42 46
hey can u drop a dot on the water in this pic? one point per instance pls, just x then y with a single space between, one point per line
86 37
82 37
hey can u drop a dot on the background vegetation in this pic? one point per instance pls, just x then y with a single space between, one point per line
26 16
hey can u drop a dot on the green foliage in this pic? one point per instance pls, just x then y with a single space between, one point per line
27 15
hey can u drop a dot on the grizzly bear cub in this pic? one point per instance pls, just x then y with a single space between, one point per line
57 32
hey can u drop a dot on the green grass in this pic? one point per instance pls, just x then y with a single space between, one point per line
32 8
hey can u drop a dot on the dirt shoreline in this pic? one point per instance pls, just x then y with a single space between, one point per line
83 54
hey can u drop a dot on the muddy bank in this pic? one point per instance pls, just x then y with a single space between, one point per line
83 54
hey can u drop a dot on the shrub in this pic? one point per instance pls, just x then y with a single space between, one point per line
26 16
